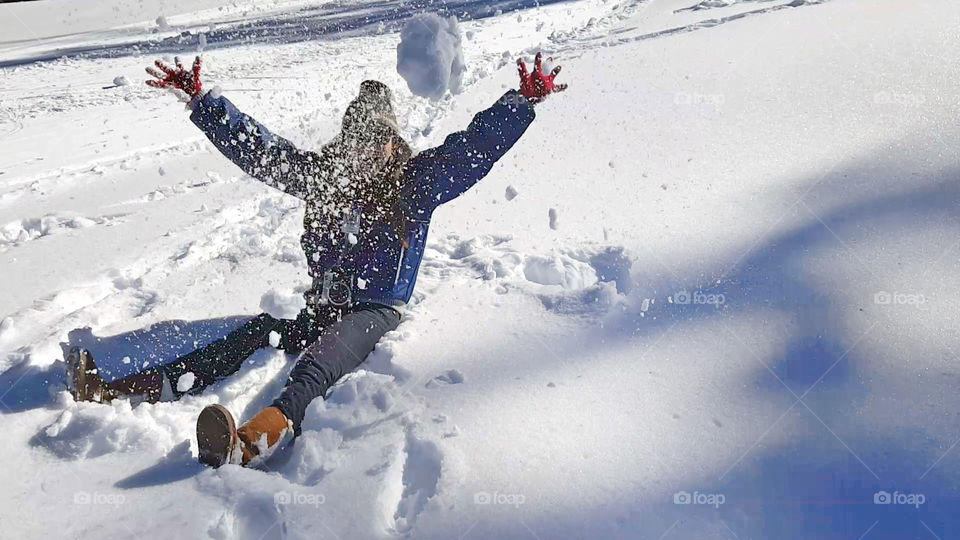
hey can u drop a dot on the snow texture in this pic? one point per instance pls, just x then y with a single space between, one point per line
744 328
430 55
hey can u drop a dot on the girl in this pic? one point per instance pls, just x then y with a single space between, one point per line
369 201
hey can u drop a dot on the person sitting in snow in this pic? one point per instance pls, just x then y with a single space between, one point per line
369 201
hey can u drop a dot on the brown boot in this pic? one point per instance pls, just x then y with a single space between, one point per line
220 442
85 384
263 435
82 379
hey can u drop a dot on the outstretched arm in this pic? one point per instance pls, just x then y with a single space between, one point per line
445 172
244 141
252 147
465 157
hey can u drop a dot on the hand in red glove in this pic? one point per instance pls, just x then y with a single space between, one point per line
180 79
537 86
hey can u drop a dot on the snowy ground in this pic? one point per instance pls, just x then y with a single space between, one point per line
748 296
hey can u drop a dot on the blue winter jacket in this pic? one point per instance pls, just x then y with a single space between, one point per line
383 263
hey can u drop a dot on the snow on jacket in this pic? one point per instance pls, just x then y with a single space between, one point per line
382 263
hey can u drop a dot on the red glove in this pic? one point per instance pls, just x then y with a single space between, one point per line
177 79
535 87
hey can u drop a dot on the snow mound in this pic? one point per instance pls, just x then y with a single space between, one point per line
569 280
559 269
430 55
88 430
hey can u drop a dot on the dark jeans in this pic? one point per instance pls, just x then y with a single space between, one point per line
331 342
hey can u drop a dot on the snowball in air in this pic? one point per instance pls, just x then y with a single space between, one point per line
430 55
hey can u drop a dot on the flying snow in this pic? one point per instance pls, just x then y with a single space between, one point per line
186 381
430 55
282 304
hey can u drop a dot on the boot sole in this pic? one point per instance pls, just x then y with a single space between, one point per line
216 435
77 374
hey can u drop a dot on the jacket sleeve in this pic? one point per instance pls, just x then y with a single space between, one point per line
443 173
252 147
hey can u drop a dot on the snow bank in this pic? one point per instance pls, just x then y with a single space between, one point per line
430 55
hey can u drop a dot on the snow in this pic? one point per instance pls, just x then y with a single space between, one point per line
282 304
430 55
542 383
186 382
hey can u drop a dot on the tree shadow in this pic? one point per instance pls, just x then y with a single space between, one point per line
27 387
819 480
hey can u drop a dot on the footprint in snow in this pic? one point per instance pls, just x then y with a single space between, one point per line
451 376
